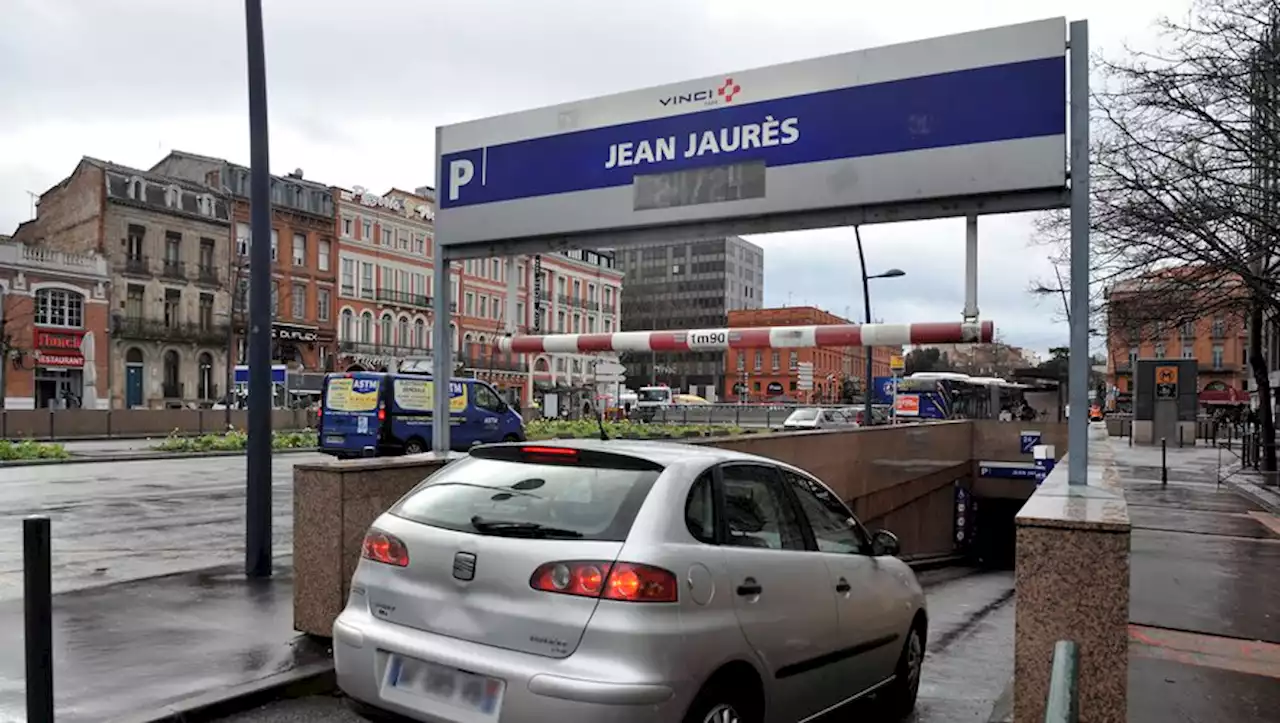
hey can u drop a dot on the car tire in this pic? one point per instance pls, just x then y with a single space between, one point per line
722 702
900 697
415 446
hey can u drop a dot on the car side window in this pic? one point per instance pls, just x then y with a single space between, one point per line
834 528
757 511
485 398
699 509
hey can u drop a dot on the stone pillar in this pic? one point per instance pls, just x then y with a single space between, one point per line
1072 583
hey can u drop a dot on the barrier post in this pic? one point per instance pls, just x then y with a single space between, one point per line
37 584
1164 464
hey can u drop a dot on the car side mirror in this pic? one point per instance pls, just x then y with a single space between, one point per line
885 543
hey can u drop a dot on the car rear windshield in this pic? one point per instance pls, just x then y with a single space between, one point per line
803 415
494 497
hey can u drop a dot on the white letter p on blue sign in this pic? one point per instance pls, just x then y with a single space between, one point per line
461 172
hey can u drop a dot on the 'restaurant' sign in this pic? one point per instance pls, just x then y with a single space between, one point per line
294 333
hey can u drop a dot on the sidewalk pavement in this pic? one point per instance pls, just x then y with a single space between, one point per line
136 651
1204 624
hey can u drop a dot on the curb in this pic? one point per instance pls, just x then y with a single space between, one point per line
143 457
308 680
1249 491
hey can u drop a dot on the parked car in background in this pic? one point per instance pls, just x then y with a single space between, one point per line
817 418
629 582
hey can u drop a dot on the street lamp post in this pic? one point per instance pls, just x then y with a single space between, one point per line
868 418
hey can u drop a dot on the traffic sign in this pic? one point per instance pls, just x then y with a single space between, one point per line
897 364
610 378
607 367
1166 382
804 372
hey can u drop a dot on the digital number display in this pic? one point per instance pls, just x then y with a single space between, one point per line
697 186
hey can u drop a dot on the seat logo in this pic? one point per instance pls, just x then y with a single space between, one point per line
464 566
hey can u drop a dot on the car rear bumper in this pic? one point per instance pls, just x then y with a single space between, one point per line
534 692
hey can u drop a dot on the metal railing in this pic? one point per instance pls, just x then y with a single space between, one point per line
1063 702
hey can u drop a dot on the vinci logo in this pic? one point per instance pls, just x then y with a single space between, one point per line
726 92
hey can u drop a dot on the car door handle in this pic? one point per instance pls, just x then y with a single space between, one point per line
750 587
843 586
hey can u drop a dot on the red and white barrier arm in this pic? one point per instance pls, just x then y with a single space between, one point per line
765 337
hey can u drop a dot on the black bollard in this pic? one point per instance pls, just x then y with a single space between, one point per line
1164 464
37 589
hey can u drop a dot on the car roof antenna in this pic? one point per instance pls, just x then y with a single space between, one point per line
604 436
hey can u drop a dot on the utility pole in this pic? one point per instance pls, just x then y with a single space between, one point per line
4 348
257 553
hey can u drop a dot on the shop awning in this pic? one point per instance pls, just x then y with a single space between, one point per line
1230 395
62 360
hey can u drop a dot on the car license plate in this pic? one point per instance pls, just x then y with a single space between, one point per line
458 688
333 439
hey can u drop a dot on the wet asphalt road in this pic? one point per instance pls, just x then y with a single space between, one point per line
967 665
129 520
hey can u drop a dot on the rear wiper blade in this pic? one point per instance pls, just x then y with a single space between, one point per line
521 529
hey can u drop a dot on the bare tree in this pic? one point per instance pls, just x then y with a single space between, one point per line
1185 163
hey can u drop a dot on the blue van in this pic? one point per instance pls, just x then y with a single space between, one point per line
365 414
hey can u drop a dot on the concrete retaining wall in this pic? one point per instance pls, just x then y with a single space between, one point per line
64 424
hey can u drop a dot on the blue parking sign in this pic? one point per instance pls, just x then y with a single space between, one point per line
1028 440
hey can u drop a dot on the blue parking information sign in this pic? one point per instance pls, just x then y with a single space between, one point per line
1028 440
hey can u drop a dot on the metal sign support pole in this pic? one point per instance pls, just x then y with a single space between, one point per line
1078 364
442 349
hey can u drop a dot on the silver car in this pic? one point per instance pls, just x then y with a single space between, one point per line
620 582
817 418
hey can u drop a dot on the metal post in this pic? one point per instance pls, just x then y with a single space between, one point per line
1164 463
867 418
1078 365
970 268
37 600
257 552
4 351
442 353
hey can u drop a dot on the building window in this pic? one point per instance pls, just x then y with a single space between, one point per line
1217 355
322 254
58 307
1160 351
322 304
384 331
348 227
275 245
348 325
206 311
299 298
469 307
404 332
275 297
777 359
759 360
1219 327
206 376
133 304
172 249
367 227
172 389
299 249
242 239
366 279
386 236
172 307
366 327
348 277
559 322
1188 351
419 333
795 360
483 307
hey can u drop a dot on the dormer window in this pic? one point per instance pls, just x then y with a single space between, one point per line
172 197
206 205
136 189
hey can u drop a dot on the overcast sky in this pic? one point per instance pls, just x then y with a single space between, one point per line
357 88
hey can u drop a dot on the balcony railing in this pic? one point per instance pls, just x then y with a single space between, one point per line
364 347
173 269
132 327
137 265
593 305
208 274
404 298
482 362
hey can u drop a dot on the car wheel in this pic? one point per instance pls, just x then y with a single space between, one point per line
900 698
723 704
414 446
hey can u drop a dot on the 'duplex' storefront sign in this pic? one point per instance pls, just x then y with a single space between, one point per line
286 332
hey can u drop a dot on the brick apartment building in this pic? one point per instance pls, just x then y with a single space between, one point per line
163 239
53 327
760 374
1218 342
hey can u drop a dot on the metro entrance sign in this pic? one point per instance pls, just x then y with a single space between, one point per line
959 116
964 125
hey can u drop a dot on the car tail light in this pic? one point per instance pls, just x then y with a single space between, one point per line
385 548
382 414
625 581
